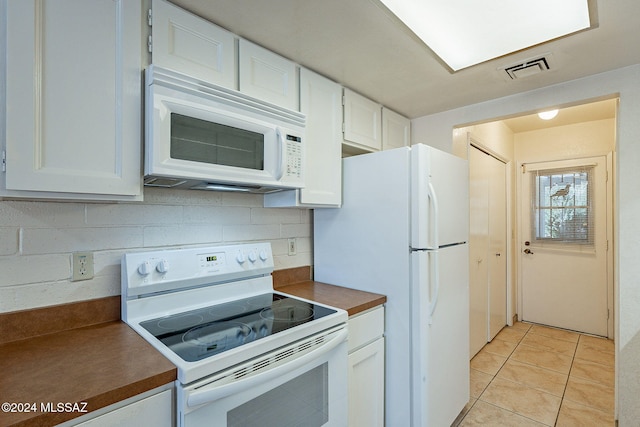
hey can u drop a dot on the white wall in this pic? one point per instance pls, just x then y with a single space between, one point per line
566 142
37 238
494 136
437 129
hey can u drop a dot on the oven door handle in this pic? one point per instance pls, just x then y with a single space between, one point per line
207 395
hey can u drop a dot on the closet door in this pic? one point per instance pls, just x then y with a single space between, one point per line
497 250
487 248
478 246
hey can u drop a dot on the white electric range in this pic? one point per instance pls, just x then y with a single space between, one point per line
246 355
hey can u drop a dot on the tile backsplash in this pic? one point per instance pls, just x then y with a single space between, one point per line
37 239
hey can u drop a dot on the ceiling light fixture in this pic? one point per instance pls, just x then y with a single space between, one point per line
467 32
548 115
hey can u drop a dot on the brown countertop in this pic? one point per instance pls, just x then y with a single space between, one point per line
351 300
99 364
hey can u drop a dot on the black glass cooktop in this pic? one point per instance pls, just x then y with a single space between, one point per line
205 332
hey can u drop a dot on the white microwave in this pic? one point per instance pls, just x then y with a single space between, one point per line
206 137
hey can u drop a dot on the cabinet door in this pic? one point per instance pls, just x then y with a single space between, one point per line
321 102
73 96
366 385
191 45
362 121
396 130
267 76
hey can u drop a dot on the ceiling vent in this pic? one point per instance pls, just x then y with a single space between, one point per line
529 67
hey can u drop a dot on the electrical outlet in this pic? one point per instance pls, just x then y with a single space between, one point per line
292 246
82 265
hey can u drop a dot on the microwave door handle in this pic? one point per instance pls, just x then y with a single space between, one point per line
207 395
281 154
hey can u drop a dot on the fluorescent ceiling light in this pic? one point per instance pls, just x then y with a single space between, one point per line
467 32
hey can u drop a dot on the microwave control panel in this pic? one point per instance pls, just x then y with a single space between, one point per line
294 156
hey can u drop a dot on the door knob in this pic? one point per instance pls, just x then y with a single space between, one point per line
528 251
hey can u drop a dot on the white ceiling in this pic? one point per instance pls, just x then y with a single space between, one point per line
360 45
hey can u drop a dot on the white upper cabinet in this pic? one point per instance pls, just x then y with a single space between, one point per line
396 130
362 122
191 45
321 102
267 76
73 124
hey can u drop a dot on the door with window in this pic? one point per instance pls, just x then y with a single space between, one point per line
563 249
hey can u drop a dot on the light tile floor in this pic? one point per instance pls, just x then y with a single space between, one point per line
532 375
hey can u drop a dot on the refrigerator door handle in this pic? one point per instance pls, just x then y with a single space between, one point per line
434 219
435 283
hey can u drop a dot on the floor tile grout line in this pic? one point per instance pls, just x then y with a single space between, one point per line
513 412
520 342
494 376
573 358
562 397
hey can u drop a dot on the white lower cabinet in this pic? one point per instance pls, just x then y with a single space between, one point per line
366 369
155 410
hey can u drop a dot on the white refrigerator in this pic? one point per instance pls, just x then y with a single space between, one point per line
403 231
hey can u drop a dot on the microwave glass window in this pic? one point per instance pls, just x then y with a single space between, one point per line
206 142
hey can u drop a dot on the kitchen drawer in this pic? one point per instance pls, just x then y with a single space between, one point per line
366 327
151 408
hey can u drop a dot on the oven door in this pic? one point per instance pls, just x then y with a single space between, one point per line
301 384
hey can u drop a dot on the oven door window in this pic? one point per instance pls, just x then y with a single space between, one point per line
201 141
302 401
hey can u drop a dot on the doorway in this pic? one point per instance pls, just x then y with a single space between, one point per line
578 132
564 219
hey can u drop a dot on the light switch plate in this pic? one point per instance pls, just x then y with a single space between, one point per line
292 250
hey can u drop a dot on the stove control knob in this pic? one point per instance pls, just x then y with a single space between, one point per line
263 255
252 256
163 266
240 258
144 269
